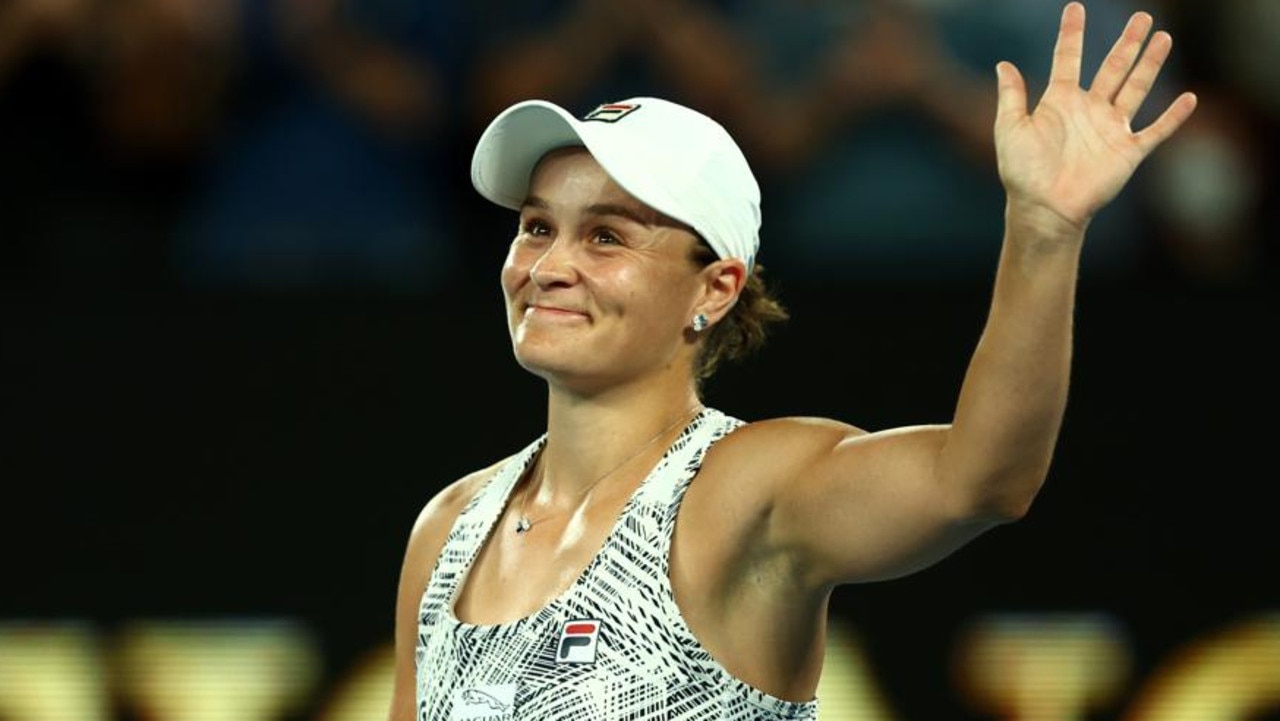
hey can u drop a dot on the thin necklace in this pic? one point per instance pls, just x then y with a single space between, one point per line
524 523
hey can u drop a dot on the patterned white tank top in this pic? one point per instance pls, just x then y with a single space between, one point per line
613 646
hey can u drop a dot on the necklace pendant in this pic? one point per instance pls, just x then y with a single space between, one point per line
523 525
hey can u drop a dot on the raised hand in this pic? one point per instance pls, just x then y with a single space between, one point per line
1076 150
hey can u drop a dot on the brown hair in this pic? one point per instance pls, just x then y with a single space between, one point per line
745 329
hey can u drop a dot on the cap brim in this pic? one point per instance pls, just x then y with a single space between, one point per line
512 145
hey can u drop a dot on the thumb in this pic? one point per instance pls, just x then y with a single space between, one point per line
1011 100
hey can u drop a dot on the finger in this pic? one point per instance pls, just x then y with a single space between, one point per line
1115 68
1069 50
1167 124
1139 83
1011 94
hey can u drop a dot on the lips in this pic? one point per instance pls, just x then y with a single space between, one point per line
552 311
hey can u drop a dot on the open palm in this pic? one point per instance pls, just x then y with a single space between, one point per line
1077 149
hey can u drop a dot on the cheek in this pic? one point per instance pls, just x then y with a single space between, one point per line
514 273
661 298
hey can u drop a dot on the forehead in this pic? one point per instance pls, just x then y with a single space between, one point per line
574 166
571 176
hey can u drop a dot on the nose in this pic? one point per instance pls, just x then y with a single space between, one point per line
555 266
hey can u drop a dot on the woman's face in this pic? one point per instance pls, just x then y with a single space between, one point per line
599 287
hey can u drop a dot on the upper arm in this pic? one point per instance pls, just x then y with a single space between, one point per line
426 540
853 506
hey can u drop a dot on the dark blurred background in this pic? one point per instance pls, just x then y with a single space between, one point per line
251 323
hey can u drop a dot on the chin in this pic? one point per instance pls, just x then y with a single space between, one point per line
561 366
542 356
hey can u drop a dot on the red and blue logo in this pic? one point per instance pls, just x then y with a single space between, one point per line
578 641
612 112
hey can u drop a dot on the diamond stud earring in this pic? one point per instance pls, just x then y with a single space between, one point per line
699 323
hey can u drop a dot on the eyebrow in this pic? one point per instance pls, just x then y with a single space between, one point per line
603 209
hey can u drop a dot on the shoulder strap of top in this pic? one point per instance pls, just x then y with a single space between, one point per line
475 523
665 489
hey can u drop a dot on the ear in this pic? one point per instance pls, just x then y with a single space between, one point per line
723 281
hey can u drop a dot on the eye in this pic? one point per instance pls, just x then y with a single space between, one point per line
604 236
534 226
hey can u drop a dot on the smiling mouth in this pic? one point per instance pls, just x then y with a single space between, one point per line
552 312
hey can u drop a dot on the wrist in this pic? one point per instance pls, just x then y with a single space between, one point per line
1025 218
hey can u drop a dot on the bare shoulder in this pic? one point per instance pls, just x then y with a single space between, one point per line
751 464
437 517
771 446
725 521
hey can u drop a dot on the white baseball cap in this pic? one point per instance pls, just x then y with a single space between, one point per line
672 158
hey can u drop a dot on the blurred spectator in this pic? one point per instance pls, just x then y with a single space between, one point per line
32 29
1215 184
45 133
875 118
324 144
576 53
1249 45
1207 189
338 162
165 67
104 109
869 122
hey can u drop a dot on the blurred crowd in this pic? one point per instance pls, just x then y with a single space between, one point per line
323 145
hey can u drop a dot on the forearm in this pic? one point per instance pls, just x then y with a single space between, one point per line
1015 390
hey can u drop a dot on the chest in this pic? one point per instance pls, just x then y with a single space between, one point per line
655 581
624 553
516 574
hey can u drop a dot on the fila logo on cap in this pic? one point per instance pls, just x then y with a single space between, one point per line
578 640
612 112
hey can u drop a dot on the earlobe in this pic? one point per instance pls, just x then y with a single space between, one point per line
724 280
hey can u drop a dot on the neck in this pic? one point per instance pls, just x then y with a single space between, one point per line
588 437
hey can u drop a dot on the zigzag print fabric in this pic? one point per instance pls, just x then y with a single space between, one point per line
612 647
